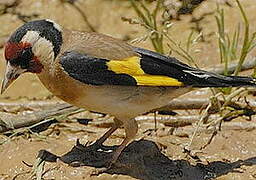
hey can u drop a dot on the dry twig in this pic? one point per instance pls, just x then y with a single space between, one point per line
19 121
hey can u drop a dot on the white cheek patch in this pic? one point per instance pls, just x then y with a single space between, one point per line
31 37
41 47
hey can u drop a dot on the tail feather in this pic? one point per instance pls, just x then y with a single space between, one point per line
201 78
157 64
215 80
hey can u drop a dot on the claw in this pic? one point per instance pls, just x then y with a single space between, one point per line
78 142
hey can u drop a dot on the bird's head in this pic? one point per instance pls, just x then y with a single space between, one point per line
29 47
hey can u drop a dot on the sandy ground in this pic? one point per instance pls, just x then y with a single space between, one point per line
155 155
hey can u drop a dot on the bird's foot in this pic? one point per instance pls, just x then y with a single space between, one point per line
85 154
88 145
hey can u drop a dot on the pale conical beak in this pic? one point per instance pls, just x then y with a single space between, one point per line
11 73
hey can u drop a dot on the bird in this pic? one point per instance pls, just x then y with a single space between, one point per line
104 74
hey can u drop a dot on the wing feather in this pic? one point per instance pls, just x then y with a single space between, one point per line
146 69
97 71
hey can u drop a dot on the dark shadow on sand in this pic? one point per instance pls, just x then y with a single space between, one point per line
143 160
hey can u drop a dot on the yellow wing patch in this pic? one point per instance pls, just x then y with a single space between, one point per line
155 80
131 66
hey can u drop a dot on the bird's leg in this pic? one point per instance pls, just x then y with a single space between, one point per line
98 143
114 127
131 129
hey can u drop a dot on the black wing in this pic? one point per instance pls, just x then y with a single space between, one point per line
91 70
147 69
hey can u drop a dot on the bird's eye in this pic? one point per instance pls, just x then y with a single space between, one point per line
25 57
26 53
24 66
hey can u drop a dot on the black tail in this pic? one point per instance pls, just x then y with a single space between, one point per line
157 64
215 80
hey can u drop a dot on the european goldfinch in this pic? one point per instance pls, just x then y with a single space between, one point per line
103 74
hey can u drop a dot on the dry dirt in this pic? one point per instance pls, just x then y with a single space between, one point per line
155 155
